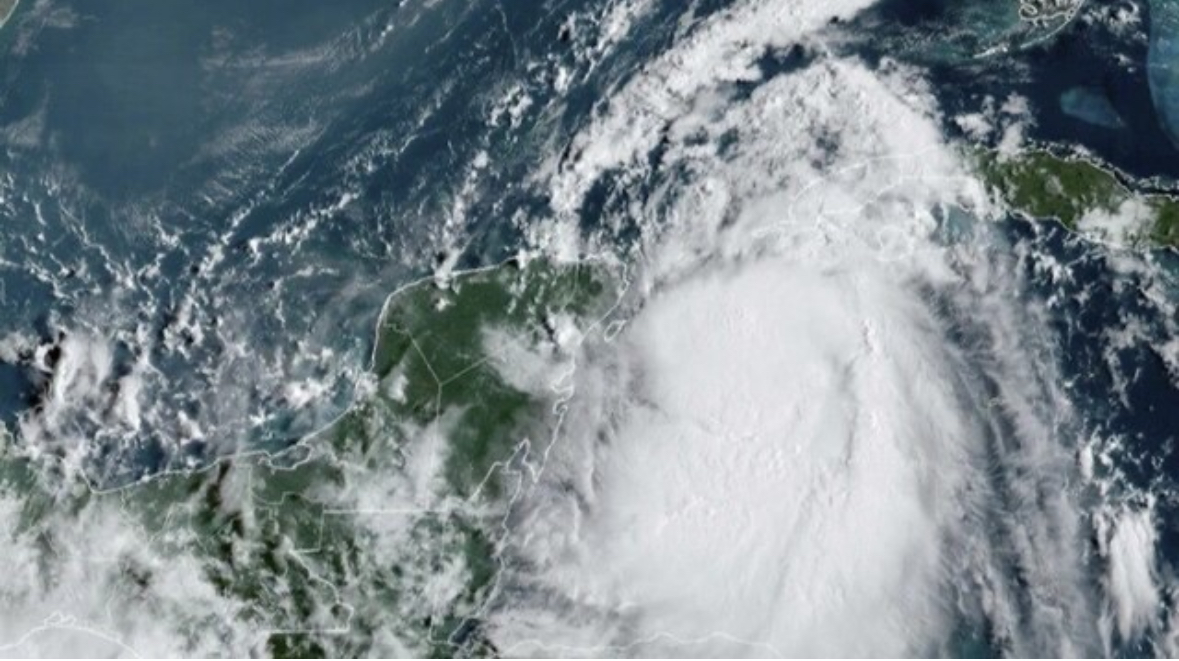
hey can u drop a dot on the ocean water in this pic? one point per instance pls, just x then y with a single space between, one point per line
229 192
1160 63
834 400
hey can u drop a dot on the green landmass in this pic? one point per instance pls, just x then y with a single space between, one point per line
283 535
1043 185
432 338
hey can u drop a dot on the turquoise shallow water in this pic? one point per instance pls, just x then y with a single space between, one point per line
203 206
174 171
1163 63
1092 106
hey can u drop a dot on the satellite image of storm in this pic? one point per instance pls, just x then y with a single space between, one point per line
589 328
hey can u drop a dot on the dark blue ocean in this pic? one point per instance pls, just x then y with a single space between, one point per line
226 192
203 205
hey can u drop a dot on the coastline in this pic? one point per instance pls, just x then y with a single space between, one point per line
1043 183
7 9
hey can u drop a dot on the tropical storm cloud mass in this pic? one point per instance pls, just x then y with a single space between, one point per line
589 328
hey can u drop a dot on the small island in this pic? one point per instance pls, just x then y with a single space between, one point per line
1046 10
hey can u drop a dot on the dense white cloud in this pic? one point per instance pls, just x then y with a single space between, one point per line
777 490
787 451
826 428
1132 583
